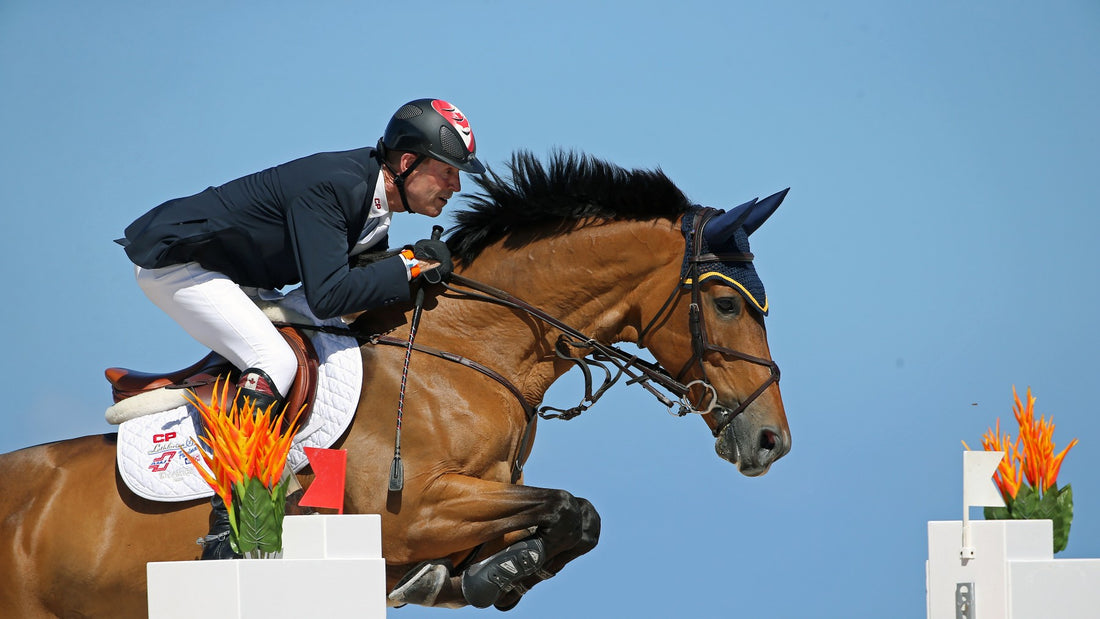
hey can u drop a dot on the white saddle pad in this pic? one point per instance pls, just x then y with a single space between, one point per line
149 447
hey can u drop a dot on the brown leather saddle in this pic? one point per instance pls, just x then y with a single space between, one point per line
201 376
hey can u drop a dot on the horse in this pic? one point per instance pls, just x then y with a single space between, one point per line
555 263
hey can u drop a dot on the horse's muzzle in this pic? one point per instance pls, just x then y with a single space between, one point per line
751 446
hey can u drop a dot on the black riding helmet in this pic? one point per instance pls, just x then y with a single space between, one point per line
430 128
434 128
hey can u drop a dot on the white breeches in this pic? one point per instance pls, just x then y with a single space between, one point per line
215 311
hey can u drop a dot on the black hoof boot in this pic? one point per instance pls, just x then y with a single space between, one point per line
483 583
215 545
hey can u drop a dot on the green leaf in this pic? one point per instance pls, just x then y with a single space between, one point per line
231 512
1026 505
260 523
1054 505
278 505
1062 515
1047 505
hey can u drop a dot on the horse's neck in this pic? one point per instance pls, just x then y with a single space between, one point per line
599 279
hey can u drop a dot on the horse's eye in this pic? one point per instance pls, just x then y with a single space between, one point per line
728 305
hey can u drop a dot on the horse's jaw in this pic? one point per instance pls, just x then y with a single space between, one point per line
751 446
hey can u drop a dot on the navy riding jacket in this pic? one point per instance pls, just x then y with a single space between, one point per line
295 222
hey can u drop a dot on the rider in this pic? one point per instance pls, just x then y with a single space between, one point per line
203 259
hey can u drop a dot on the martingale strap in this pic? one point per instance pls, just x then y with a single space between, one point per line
386 340
528 410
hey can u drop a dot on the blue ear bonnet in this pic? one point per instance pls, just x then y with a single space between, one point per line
728 233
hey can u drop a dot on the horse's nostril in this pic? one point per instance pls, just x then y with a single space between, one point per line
768 440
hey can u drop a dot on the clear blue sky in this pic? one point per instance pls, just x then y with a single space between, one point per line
937 247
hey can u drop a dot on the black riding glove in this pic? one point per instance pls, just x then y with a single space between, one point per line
434 249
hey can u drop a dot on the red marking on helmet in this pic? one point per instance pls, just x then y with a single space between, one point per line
457 120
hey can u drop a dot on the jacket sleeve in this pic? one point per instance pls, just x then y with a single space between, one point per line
317 223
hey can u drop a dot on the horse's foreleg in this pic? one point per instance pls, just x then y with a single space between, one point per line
590 529
460 512
463 512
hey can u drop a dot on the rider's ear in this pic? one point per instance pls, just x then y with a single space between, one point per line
407 160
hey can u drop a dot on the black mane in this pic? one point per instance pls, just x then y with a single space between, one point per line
541 200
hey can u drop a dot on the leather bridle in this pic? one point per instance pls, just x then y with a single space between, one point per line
700 345
639 370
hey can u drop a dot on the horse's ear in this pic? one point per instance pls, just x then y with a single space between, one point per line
750 216
721 228
763 210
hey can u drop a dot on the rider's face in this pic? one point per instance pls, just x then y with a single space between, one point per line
430 185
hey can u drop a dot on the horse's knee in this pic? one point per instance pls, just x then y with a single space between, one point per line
567 519
590 526
573 525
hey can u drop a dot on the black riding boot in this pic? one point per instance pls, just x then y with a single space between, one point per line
215 545
256 386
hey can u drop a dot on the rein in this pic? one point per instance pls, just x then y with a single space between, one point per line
639 370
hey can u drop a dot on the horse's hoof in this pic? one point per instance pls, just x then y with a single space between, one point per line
422 583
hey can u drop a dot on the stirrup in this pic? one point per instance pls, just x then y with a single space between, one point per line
484 582
215 544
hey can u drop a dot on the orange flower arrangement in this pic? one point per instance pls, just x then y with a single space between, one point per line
247 454
1031 457
1038 461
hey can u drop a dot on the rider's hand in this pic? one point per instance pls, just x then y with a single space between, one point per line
428 251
